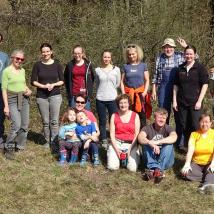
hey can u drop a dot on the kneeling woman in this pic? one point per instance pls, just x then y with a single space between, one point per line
124 128
199 164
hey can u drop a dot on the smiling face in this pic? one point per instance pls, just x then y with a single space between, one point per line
189 55
106 59
205 124
168 50
80 103
71 116
132 55
160 119
17 60
124 105
81 117
46 53
78 54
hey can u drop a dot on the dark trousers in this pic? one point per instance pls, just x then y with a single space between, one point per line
199 173
74 146
2 118
188 122
92 149
102 106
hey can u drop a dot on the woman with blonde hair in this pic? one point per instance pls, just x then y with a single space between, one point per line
16 103
135 80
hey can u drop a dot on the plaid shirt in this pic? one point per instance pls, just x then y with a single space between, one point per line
163 63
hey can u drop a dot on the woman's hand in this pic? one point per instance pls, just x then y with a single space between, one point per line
156 149
175 105
154 95
144 94
186 168
6 111
198 105
211 167
27 92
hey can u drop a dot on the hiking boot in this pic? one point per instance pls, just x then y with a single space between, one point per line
148 175
73 159
83 160
62 159
206 189
10 153
96 160
158 176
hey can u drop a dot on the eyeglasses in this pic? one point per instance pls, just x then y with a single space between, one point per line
131 46
81 102
19 59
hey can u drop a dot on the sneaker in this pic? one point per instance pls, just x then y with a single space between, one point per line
148 175
83 160
158 176
10 153
96 160
206 189
104 143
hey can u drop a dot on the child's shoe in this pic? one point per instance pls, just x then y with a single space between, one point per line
83 160
96 160
73 159
62 157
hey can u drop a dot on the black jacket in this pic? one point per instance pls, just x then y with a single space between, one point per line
89 78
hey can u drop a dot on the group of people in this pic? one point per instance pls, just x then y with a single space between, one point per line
179 82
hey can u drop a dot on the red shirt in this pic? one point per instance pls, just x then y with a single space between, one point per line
124 131
78 79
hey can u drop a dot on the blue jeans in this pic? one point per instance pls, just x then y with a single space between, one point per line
162 161
72 104
49 109
19 123
101 110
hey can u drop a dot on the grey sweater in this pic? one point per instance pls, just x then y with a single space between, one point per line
107 82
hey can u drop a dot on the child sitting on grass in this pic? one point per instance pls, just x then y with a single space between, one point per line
69 142
86 131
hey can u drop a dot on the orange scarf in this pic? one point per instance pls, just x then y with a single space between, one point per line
138 105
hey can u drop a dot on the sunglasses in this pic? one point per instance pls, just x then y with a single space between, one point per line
131 46
19 59
81 102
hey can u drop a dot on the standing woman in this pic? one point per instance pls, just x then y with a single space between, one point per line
47 76
16 103
190 86
107 80
135 80
79 77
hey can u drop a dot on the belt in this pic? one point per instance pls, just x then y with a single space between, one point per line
124 141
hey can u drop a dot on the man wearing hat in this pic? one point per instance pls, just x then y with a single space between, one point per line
163 77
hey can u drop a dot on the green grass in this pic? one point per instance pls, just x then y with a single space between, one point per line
34 183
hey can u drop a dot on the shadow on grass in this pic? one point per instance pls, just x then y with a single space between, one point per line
179 162
37 138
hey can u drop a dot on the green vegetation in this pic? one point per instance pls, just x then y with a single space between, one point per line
34 183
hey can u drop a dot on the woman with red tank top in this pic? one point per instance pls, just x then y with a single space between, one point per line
124 128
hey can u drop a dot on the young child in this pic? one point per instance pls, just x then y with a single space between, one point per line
69 142
87 133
